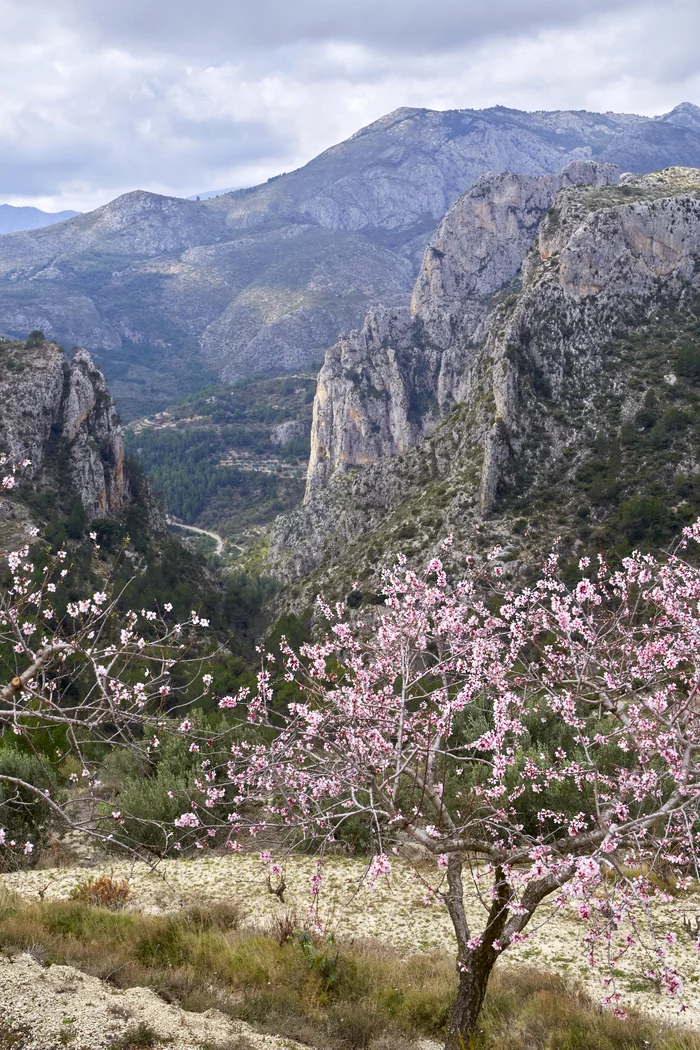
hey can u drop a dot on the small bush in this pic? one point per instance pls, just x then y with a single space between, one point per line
688 361
35 338
104 892
24 816
284 926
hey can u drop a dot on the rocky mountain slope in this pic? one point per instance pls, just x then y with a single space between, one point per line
544 381
173 292
58 417
58 420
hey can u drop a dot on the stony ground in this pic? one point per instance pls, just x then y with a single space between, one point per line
50 1007
394 912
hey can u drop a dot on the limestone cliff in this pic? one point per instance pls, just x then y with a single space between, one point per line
548 366
58 416
385 387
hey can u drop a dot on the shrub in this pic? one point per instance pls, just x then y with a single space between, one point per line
284 926
103 891
145 802
688 361
35 338
140 1037
643 518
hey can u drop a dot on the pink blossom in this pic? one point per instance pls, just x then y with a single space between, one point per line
187 820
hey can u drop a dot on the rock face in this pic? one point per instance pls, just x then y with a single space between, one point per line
90 425
58 415
262 280
383 388
290 430
548 323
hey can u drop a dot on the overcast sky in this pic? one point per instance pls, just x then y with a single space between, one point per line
98 97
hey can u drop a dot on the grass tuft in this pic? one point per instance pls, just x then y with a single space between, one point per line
140 1037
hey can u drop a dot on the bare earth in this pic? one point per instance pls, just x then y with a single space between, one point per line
393 912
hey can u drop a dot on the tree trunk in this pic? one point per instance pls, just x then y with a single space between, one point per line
464 1014
474 963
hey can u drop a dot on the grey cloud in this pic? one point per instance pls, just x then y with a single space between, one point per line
98 97
178 153
228 141
222 29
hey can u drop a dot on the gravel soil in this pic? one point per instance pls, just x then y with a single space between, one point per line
52 1007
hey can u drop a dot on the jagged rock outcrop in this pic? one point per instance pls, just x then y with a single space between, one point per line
57 415
387 386
90 426
520 391
290 430
262 280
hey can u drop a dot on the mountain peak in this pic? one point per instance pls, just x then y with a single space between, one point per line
684 115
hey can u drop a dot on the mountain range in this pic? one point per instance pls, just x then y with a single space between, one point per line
171 293
14 219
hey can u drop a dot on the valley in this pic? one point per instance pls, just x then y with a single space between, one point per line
230 459
350 600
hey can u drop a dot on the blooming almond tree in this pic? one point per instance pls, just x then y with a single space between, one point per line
542 748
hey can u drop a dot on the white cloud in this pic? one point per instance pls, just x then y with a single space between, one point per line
98 98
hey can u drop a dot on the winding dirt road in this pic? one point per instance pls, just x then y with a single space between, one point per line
202 532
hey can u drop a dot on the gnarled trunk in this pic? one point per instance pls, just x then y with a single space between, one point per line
474 976
474 964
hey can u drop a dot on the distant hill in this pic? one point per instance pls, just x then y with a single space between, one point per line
13 220
172 293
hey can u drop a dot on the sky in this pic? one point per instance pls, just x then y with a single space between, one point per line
99 97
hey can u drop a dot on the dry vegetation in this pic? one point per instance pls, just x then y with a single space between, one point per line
333 995
392 914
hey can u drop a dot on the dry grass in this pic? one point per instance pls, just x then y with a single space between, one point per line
12 1037
530 1010
352 995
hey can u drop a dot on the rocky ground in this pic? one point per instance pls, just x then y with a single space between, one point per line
48 1007
398 911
